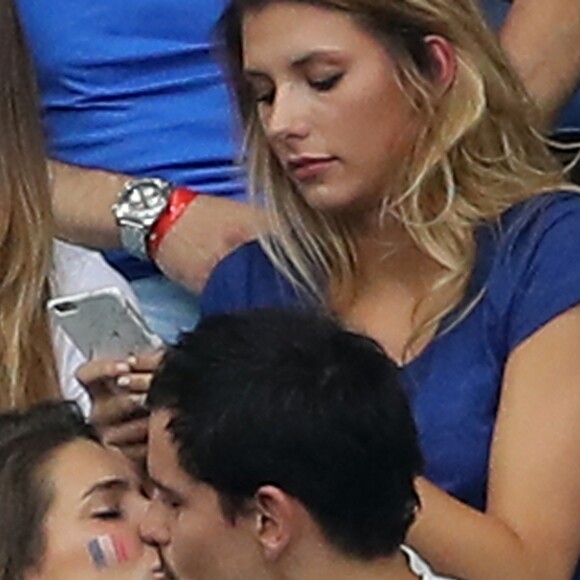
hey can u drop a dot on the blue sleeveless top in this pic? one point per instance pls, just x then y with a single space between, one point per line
132 86
528 267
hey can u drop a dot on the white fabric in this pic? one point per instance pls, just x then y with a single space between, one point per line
77 270
419 567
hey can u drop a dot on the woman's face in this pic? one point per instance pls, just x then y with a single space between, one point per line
91 527
329 101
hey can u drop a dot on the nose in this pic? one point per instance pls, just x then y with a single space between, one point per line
288 116
154 528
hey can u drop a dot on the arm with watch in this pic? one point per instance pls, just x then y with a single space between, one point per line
185 233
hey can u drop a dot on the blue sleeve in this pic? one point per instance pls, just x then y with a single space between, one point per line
219 294
246 279
537 274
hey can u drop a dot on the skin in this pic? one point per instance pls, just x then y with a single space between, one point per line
96 492
273 538
533 516
540 38
210 227
332 99
118 390
185 519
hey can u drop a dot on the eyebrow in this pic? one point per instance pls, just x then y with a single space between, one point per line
313 55
162 487
112 483
300 61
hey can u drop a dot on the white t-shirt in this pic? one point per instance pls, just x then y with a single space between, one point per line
76 270
419 567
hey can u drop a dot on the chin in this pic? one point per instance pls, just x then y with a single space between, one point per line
338 203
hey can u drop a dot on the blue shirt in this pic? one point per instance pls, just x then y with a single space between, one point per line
132 86
527 265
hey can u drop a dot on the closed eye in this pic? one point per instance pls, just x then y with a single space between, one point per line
107 514
266 98
326 84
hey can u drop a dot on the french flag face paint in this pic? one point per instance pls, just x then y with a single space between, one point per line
107 551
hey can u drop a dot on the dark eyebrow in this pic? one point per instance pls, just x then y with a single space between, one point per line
107 484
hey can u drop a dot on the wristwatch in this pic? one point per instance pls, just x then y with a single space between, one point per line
139 205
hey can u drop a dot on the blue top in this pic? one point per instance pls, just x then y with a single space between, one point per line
527 264
131 86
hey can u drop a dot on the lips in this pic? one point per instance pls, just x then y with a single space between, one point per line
305 167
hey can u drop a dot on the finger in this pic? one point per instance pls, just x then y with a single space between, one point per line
129 433
146 362
135 382
137 453
115 409
99 370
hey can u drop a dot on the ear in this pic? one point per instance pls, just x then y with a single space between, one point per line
276 520
443 55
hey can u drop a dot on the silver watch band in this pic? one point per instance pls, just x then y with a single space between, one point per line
137 209
134 240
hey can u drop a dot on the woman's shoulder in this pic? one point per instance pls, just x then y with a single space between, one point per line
246 278
527 263
547 224
540 214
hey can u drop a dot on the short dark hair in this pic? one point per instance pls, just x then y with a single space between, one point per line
28 440
291 399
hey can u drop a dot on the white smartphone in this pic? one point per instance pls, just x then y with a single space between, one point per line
103 324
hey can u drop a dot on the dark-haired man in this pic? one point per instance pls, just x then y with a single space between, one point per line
282 447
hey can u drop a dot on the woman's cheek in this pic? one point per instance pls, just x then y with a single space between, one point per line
110 550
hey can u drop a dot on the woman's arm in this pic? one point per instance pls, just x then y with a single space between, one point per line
542 40
531 529
210 228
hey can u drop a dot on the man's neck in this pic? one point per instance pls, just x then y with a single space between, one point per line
336 567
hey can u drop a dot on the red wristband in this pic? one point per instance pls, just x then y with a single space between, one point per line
179 200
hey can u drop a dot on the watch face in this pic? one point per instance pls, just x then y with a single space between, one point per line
139 206
147 194
142 201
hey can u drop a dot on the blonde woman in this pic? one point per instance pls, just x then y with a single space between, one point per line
411 196
37 362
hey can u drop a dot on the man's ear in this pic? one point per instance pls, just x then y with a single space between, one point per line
276 523
444 59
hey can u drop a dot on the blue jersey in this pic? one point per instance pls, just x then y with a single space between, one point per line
134 86
527 268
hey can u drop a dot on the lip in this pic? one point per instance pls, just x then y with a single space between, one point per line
306 167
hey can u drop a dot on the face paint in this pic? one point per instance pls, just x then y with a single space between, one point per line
107 551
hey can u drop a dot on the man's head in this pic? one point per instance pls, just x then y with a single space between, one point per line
271 430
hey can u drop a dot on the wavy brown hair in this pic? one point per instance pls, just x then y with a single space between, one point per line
478 151
29 440
27 365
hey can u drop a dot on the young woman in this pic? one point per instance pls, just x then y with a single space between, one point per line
411 196
36 362
71 508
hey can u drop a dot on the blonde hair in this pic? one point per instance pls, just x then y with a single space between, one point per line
27 366
477 153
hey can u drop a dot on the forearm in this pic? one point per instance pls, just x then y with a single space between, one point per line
82 200
464 543
542 41
210 227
